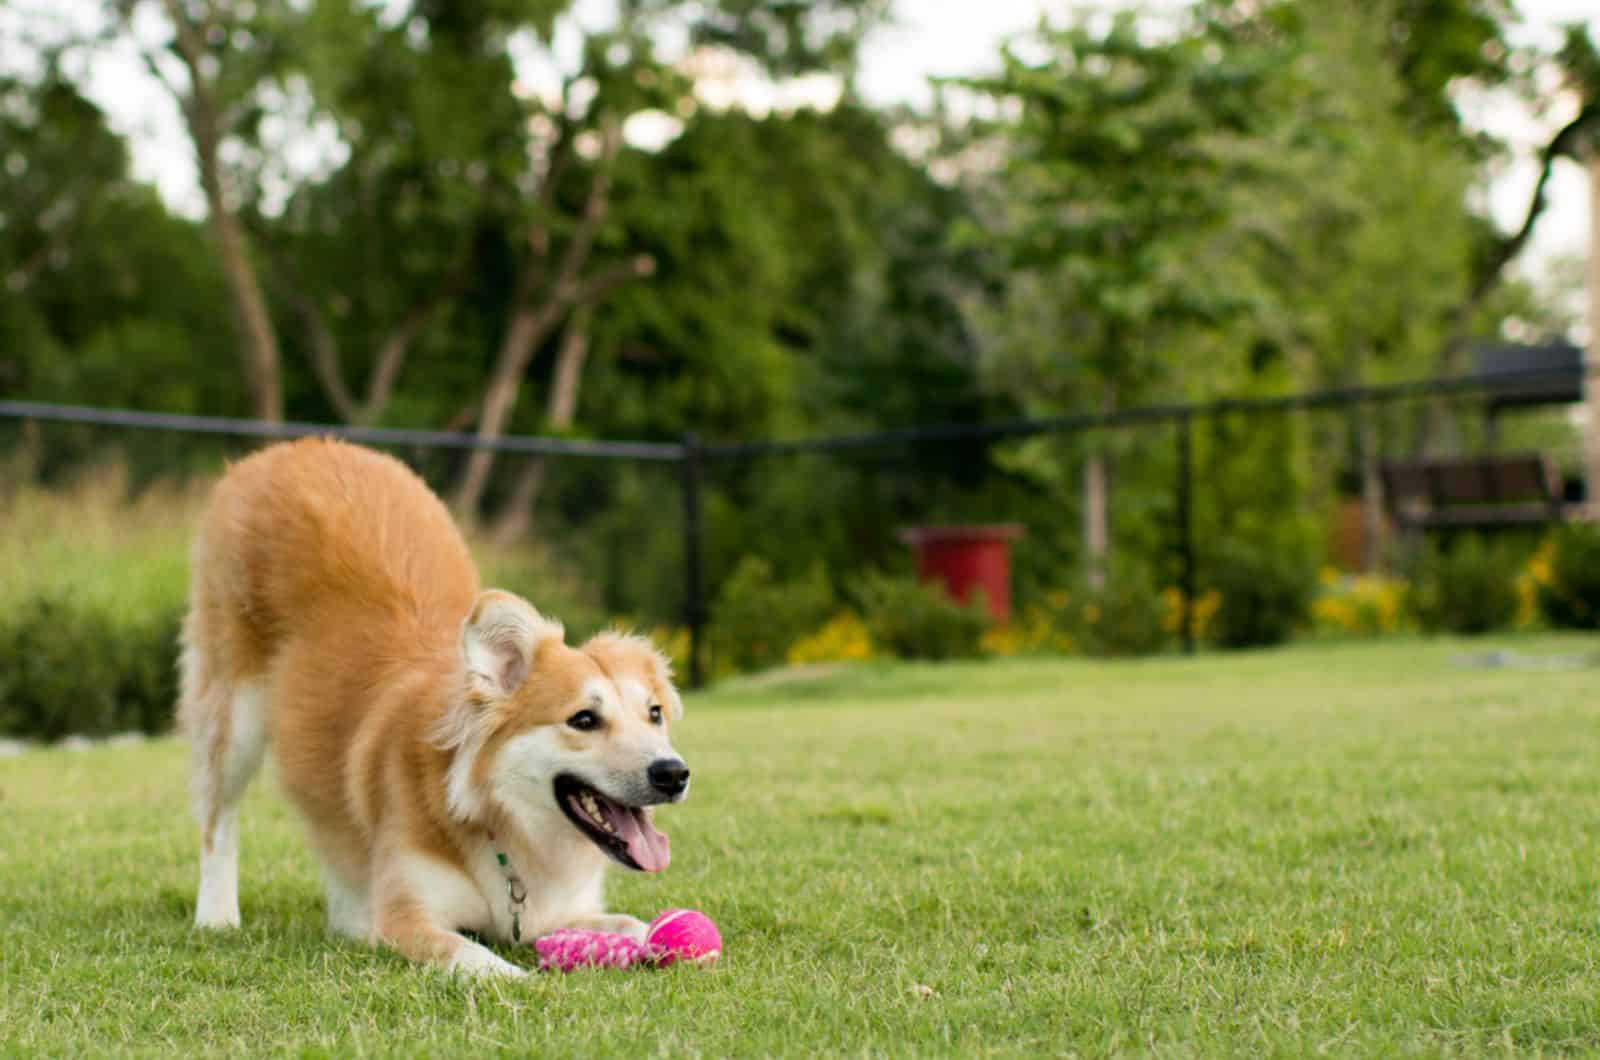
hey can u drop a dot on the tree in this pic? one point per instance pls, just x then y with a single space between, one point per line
1114 176
104 295
1432 47
372 255
624 76
555 278
1362 236
216 96
1581 60
1497 250
1428 47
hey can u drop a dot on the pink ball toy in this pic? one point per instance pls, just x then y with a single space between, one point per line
686 934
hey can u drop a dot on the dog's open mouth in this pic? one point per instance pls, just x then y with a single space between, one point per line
624 832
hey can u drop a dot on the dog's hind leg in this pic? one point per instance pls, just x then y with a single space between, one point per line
226 724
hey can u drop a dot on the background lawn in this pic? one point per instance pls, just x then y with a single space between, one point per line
1348 848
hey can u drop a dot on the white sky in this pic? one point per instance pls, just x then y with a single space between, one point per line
930 37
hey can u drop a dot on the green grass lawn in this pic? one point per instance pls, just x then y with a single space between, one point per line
1355 849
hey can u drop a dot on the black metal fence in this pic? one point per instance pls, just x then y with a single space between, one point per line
693 462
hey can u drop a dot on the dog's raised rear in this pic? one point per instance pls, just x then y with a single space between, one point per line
314 561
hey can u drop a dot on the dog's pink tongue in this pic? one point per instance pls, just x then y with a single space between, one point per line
650 849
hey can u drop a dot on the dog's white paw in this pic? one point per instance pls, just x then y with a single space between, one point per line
216 916
479 962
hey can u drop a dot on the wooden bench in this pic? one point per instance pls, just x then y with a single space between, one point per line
1496 490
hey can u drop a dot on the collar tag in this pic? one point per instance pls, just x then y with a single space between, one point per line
516 894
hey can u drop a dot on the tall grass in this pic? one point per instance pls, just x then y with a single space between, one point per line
97 542
93 579
125 552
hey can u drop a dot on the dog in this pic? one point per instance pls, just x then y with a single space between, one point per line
459 768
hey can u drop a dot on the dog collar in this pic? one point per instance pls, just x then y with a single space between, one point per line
516 892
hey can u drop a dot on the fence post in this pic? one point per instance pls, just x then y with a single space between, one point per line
1186 530
693 600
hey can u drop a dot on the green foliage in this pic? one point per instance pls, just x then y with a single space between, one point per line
1430 45
1126 617
1466 586
1113 183
786 37
1570 596
756 617
1249 199
104 296
67 668
1264 593
915 620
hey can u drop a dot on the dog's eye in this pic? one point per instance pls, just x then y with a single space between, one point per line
584 721
655 715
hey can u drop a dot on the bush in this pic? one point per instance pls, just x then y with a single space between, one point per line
67 668
1264 593
1365 605
1569 590
914 620
1470 587
844 638
756 617
1036 630
1127 617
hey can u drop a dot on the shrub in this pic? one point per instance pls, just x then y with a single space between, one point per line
1469 587
1203 616
1264 594
1569 586
756 617
1364 605
1036 631
1127 617
913 620
843 638
69 668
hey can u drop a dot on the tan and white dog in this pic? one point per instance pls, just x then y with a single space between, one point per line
458 766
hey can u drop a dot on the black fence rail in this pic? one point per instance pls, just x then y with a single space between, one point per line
692 457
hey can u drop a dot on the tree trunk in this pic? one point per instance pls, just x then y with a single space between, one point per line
1439 430
561 407
1371 490
529 326
1591 385
258 342
531 322
1096 518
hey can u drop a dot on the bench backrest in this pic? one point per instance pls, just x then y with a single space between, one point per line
1479 481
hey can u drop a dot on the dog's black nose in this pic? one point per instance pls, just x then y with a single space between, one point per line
669 776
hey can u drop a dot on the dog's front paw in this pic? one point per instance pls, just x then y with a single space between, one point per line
481 963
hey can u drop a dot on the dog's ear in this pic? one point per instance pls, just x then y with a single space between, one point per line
499 641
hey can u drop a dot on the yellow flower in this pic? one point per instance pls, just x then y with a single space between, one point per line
843 638
1541 565
1366 605
1203 615
1032 632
